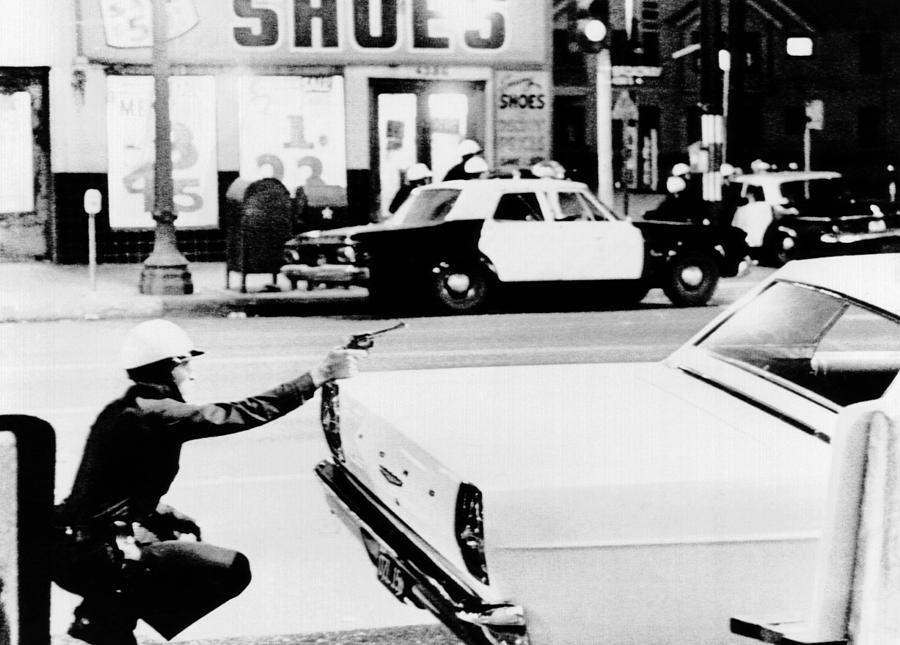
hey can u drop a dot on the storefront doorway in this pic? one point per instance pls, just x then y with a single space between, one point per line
420 121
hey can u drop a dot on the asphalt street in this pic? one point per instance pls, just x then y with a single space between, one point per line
255 491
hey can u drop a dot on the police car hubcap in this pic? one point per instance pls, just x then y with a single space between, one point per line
692 276
458 282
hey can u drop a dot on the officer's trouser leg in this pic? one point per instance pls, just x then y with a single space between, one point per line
184 581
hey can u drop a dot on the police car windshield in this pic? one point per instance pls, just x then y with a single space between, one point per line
425 207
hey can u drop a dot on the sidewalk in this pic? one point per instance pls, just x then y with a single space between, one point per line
42 291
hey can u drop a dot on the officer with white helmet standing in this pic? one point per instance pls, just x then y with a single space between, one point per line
468 149
417 175
127 554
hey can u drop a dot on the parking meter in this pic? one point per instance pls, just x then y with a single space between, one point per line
93 202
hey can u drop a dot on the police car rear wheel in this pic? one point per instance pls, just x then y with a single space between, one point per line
691 280
459 287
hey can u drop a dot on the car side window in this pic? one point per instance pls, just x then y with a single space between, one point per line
518 207
573 207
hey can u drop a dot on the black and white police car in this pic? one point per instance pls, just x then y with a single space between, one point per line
453 244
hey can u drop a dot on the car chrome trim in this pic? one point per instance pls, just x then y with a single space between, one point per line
778 414
344 273
850 238
437 586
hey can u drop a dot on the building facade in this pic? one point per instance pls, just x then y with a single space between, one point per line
337 97
848 84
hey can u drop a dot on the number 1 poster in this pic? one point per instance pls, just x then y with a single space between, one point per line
292 128
130 142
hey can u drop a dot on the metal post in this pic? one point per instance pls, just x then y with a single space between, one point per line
92 250
165 270
711 97
603 99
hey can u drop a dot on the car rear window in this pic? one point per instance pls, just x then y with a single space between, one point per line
813 189
812 339
426 207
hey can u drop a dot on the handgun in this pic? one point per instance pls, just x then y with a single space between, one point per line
367 339
330 407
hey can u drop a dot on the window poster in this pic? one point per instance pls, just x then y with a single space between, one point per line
292 128
17 158
130 135
522 126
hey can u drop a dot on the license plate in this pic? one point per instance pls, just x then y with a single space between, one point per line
391 575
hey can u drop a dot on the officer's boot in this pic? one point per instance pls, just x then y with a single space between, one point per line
106 621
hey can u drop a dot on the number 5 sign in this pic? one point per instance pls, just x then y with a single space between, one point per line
130 138
129 23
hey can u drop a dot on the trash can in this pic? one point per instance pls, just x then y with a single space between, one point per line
259 221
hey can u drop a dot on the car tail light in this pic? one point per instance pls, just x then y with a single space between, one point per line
331 419
470 530
291 256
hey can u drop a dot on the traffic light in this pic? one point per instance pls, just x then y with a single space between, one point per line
591 25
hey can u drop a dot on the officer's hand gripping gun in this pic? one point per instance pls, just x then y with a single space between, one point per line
331 409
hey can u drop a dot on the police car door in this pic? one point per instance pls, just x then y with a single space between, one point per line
590 242
514 238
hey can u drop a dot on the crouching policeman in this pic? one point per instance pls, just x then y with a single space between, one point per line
116 545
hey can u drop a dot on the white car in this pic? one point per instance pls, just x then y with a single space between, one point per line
630 503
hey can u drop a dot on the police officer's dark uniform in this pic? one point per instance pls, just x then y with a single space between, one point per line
130 459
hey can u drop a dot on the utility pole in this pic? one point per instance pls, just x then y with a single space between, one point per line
165 270
712 124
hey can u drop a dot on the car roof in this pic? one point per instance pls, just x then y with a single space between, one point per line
506 184
760 178
874 278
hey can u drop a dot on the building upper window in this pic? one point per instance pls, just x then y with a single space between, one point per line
870 53
869 126
799 46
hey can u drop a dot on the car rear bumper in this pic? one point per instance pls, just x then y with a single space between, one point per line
433 583
857 238
327 273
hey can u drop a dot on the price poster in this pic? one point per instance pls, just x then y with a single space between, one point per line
17 160
292 129
130 136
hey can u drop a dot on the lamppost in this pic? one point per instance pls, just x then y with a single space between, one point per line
591 36
165 270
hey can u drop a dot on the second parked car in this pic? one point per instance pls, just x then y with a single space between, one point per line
453 244
797 214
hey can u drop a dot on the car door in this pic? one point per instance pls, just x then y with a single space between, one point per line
514 238
587 242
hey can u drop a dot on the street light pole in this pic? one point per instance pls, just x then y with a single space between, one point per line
603 100
165 270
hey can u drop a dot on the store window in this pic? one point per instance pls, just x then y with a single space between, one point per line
292 128
131 135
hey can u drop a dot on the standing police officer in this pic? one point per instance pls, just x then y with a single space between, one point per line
117 545
468 149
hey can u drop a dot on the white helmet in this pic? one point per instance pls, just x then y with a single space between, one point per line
680 169
418 171
468 147
475 166
155 340
675 184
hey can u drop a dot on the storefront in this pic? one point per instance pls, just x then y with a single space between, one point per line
26 187
337 97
